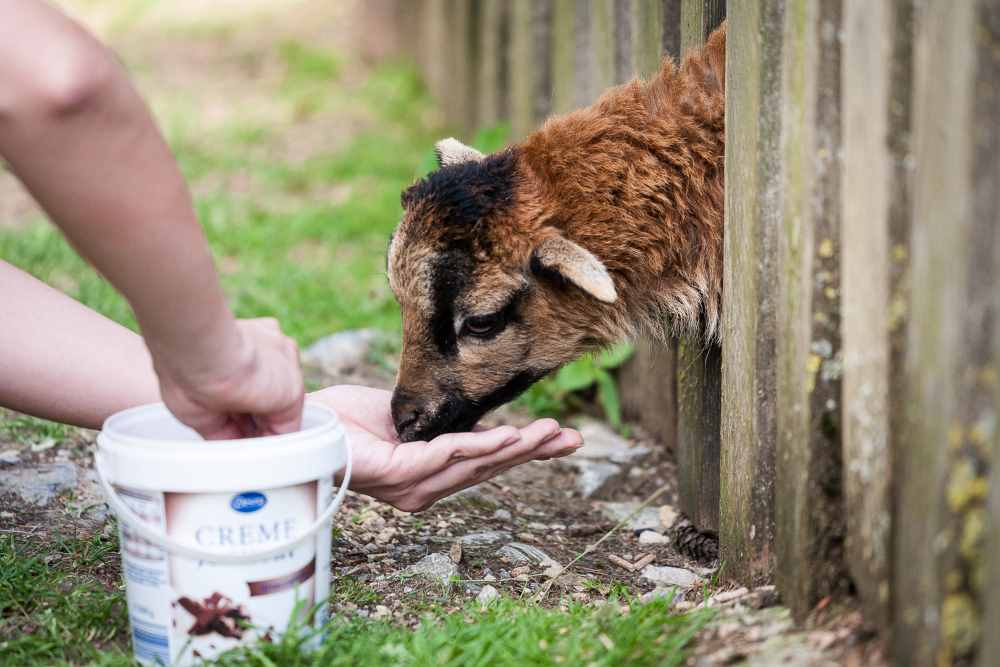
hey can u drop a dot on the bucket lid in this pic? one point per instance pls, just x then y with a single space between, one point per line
147 448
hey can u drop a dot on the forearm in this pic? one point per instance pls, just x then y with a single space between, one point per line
78 135
62 361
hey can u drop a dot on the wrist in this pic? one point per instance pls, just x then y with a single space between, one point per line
200 354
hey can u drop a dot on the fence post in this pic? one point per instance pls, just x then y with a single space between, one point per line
753 217
809 520
943 585
531 65
875 199
699 368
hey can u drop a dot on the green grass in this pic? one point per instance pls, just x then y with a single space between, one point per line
54 611
52 606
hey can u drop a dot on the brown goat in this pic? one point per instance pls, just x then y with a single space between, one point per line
604 224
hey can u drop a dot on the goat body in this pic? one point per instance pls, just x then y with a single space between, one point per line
605 223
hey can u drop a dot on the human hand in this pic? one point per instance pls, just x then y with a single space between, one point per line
252 388
412 476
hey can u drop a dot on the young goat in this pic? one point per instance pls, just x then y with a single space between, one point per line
604 224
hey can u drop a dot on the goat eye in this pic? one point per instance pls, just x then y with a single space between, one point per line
482 325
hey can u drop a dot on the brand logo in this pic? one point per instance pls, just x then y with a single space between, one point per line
247 502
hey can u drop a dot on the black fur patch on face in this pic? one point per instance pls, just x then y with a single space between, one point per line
449 278
459 414
462 195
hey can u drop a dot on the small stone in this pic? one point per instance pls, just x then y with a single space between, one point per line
518 552
727 596
502 515
381 611
684 605
553 571
520 570
527 537
487 595
434 566
385 535
470 497
341 352
648 517
659 592
600 442
10 457
489 577
455 554
663 575
668 515
595 478
652 537
39 485
47 443
485 538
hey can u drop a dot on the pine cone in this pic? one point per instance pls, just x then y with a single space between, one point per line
699 545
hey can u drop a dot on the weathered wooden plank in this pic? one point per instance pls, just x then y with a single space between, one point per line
647 23
950 404
487 85
699 367
670 29
648 384
986 166
809 520
698 19
875 200
531 64
699 378
564 38
753 216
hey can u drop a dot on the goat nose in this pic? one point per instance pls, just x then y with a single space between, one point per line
405 410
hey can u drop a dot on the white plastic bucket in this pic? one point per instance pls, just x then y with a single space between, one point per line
222 542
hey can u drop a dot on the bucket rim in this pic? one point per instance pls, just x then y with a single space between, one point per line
113 426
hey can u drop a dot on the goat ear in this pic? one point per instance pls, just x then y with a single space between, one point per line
452 151
575 264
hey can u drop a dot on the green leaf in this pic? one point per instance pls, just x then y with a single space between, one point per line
613 357
576 376
607 395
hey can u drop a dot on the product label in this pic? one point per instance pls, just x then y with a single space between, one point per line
185 609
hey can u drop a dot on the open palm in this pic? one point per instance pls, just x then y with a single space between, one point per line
412 476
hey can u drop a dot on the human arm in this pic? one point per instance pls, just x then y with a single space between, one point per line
77 134
62 361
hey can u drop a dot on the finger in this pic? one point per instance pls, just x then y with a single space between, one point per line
474 470
268 324
564 444
415 462
219 427
287 420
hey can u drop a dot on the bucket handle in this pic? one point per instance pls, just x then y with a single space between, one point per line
161 539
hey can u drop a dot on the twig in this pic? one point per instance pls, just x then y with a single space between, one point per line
544 590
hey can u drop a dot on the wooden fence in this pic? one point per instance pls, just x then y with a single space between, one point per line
842 438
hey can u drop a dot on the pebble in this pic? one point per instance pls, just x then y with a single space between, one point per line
648 517
652 537
434 566
601 442
518 552
594 478
487 595
485 538
341 352
667 515
10 457
39 485
502 515
660 592
727 596
663 575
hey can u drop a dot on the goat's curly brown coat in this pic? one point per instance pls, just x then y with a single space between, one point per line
635 180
